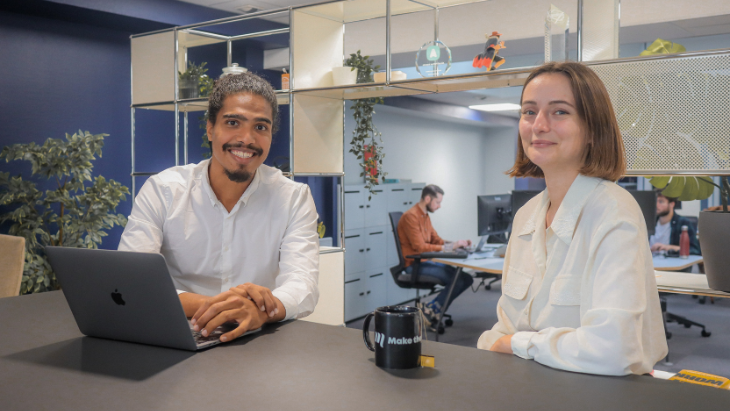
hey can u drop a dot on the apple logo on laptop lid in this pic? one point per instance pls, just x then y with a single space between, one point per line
117 297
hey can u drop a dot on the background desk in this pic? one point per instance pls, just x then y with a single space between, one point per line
686 283
45 363
479 262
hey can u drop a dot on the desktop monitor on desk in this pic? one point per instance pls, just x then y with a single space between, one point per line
647 203
493 214
521 197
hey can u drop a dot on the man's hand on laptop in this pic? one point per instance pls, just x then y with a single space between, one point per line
237 305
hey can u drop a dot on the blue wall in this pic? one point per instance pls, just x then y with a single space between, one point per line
59 77
66 67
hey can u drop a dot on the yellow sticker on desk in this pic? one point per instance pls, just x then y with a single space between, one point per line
427 361
701 378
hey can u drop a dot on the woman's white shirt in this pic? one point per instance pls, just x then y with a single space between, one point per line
581 296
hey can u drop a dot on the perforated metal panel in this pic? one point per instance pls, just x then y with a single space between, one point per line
674 114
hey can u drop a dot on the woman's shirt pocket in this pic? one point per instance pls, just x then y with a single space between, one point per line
517 283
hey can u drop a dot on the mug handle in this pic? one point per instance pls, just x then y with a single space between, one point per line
365 334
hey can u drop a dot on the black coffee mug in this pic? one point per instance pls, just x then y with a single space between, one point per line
398 334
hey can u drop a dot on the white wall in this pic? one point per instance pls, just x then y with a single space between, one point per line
464 160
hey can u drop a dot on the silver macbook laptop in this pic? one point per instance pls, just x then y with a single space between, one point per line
126 296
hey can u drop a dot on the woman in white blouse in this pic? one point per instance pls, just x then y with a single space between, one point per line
578 290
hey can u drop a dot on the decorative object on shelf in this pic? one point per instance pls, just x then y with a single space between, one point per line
71 215
233 69
364 66
321 228
394 76
557 24
660 46
713 230
284 80
431 57
489 58
365 137
344 76
189 82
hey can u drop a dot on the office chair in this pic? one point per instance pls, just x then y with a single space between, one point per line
12 259
415 281
492 278
669 317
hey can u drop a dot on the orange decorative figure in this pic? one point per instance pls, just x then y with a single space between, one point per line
490 53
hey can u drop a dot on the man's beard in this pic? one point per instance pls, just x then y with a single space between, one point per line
663 213
428 208
241 176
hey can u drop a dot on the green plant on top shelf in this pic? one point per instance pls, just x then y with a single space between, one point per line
367 141
194 82
364 66
73 214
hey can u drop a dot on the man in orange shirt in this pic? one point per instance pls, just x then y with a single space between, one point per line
417 235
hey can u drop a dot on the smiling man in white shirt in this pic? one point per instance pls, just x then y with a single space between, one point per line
239 238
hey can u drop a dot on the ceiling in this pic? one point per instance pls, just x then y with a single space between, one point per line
234 6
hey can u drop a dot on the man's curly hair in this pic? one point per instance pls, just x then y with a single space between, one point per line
243 83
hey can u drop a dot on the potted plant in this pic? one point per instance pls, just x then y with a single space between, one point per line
73 214
193 80
714 226
366 142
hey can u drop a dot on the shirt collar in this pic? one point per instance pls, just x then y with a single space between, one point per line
246 194
566 218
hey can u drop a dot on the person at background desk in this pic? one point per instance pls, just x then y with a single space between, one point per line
417 235
669 226
239 238
578 290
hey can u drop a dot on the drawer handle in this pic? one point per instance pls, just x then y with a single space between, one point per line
367 206
352 281
362 251
368 291
376 233
405 203
362 294
367 249
360 207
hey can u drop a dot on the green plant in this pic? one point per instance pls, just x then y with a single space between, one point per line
73 214
366 142
691 188
195 72
203 124
364 66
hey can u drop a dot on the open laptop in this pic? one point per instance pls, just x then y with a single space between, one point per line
126 296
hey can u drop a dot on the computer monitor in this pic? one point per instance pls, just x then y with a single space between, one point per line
493 214
521 197
647 202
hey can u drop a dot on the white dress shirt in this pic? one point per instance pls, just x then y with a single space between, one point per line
581 296
269 238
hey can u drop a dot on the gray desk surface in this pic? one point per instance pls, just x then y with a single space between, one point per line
45 363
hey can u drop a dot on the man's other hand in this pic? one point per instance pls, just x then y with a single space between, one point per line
262 296
462 244
231 307
664 247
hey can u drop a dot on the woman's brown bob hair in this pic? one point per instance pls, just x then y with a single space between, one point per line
604 150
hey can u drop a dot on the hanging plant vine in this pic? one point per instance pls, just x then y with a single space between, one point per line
367 141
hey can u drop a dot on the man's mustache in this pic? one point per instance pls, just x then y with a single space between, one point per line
251 146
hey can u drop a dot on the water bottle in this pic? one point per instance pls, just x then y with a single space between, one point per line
684 243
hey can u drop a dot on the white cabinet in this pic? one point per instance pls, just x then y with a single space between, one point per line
355 298
397 197
375 247
354 207
414 193
354 251
376 287
376 209
397 295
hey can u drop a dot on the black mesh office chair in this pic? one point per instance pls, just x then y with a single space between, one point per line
670 317
415 281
